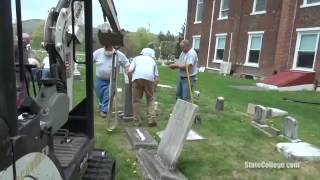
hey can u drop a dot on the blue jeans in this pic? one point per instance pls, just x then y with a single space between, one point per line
102 91
34 72
183 88
45 73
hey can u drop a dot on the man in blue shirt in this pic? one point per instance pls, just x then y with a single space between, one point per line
188 58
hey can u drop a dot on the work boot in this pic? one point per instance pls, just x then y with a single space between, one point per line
103 114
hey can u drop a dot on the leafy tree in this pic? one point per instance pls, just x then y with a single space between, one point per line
180 38
167 44
136 41
37 37
167 49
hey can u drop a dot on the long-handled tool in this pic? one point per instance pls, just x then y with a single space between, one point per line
189 83
198 119
112 118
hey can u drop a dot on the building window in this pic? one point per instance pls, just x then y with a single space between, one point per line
196 42
309 3
199 11
259 7
254 49
224 9
219 48
306 50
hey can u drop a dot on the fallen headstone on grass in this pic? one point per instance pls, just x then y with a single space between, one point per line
277 112
301 151
192 136
140 138
161 163
165 86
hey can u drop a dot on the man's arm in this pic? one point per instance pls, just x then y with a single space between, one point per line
181 67
123 60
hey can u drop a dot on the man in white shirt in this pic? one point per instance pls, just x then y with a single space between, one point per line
103 59
188 58
149 52
144 75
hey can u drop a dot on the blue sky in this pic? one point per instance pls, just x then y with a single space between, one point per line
161 15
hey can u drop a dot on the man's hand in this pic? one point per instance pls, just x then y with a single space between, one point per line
173 66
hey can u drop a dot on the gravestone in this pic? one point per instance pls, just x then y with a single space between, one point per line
192 136
76 72
128 105
300 151
271 112
290 128
140 138
251 108
219 104
261 114
277 112
161 164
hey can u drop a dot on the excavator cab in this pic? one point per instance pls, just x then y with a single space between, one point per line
46 137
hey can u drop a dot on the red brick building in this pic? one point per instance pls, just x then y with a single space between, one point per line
259 37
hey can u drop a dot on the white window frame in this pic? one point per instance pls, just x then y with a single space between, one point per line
196 15
193 39
254 12
250 34
300 32
305 4
220 12
222 35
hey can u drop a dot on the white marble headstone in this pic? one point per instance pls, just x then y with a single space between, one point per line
290 128
176 132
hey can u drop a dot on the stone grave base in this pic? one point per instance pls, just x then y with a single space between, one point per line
299 151
77 77
140 138
192 136
153 169
269 131
127 118
290 140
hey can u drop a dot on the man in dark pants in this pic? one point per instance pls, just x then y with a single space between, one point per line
144 77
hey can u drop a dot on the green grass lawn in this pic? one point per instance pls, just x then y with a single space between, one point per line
231 141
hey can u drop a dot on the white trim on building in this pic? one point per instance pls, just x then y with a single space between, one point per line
221 36
254 8
306 4
301 32
251 35
199 2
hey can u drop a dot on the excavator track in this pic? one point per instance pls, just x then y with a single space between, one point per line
100 167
